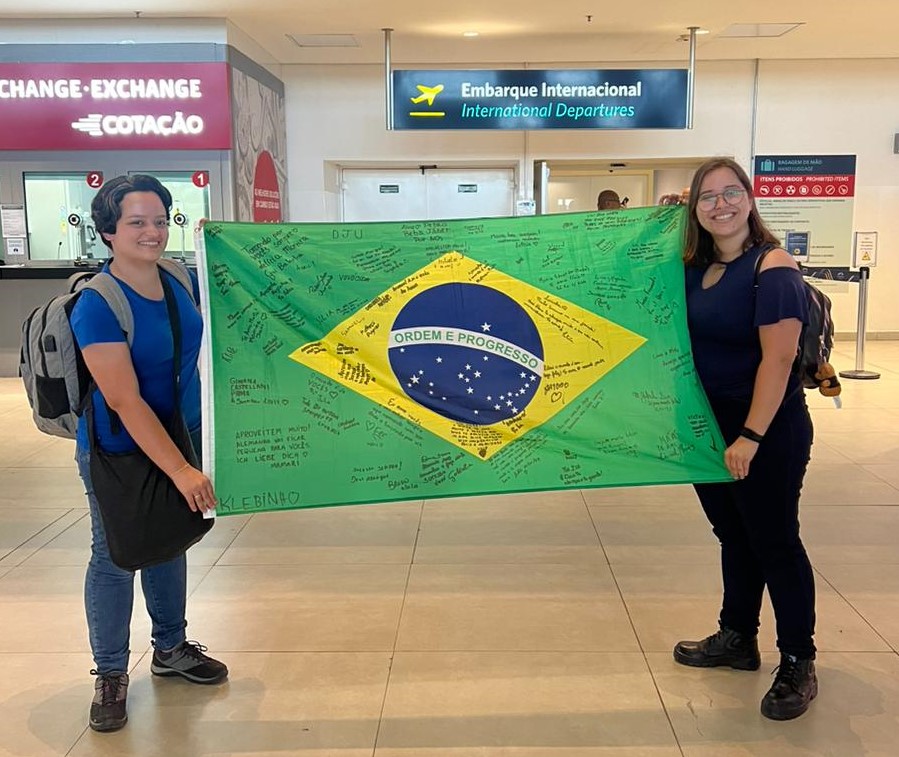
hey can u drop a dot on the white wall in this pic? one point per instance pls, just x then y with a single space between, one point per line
844 107
335 115
242 41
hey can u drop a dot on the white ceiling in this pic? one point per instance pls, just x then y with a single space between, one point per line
547 32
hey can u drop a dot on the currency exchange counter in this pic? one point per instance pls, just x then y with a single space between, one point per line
22 289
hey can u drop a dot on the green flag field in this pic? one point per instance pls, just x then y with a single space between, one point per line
375 362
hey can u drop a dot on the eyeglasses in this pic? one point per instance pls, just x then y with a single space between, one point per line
732 196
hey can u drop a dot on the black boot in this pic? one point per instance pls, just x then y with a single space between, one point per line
795 686
726 647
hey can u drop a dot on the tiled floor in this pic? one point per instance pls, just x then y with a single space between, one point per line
536 626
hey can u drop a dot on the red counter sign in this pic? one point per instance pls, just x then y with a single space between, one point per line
115 106
266 193
94 179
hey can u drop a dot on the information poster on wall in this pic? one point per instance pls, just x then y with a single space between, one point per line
362 363
807 201
15 249
12 221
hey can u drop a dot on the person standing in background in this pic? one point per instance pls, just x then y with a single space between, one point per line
608 199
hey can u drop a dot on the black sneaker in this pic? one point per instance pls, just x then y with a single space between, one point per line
723 648
108 708
188 661
795 686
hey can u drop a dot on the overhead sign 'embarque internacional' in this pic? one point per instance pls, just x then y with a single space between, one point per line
524 99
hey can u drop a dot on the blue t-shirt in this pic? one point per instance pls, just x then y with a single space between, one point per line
724 321
93 322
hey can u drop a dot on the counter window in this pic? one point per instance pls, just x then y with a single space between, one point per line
57 207
190 203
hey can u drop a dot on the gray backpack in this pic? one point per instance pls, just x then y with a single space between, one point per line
51 366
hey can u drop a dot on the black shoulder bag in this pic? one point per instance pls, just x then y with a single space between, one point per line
146 519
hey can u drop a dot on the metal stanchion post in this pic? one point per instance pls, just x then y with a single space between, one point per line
864 274
388 77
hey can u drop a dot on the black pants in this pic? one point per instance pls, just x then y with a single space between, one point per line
757 522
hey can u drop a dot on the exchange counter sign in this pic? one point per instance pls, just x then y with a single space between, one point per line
115 106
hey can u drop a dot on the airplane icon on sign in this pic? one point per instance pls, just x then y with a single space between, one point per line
427 93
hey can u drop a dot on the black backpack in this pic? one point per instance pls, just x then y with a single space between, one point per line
812 364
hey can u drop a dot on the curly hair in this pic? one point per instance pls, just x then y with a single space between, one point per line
106 208
699 247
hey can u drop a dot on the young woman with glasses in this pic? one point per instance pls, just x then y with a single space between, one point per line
744 329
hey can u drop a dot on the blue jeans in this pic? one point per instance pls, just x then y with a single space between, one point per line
109 593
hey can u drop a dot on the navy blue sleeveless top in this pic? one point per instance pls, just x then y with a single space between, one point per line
724 321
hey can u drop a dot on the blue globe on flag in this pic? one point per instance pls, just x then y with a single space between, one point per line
467 352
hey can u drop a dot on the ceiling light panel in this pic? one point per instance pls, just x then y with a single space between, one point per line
759 30
323 40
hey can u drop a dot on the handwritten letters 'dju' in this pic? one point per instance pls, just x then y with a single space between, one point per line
375 362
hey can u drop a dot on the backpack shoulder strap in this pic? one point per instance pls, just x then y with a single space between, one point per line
180 273
106 286
758 263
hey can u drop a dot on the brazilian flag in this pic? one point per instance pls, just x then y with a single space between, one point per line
356 363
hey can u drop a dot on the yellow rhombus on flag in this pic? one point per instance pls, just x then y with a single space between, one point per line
470 353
